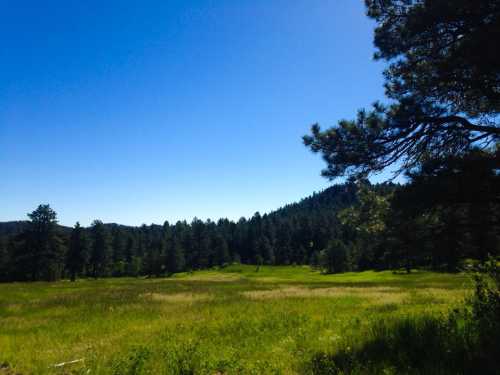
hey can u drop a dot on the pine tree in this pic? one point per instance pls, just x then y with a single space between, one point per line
77 255
266 251
42 253
221 250
100 258
335 258
118 246
175 258
4 259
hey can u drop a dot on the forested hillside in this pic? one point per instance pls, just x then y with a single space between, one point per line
351 226
291 234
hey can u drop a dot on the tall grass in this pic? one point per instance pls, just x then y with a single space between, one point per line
229 321
465 341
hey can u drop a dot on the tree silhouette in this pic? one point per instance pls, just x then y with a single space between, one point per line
77 255
442 81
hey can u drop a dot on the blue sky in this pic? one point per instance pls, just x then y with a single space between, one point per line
140 112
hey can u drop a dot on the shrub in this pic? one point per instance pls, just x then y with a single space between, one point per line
335 258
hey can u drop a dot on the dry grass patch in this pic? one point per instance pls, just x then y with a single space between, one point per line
14 308
441 295
270 279
178 297
213 277
377 294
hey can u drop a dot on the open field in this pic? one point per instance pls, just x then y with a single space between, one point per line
233 320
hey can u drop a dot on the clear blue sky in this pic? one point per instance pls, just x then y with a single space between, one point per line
141 111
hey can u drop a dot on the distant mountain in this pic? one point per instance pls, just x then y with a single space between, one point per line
331 200
16 227
12 227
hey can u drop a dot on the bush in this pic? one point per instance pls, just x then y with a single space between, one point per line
484 317
335 258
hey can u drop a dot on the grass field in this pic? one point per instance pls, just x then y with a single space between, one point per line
234 320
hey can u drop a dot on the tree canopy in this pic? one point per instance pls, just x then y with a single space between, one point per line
442 83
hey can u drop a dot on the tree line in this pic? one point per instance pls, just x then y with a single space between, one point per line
448 212
40 249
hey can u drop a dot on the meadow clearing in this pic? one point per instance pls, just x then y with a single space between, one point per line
233 320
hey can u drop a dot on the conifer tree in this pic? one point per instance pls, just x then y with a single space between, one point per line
175 258
100 257
42 254
77 255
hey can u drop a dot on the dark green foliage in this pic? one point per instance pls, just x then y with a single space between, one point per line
176 261
335 258
442 81
38 252
100 255
259 261
4 258
440 51
78 252
221 250
314 260
119 250
12 228
266 251
485 313
449 211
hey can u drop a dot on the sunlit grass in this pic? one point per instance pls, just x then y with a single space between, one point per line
233 320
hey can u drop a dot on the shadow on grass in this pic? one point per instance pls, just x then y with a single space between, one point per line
425 345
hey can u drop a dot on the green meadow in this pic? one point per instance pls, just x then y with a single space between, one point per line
229 321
